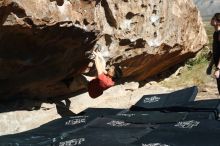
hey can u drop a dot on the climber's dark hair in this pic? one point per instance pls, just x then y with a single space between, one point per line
217 17
118 73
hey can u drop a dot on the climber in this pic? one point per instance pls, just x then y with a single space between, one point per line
105 78
215 22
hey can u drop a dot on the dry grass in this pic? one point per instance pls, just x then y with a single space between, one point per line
194 71
209 30
188 77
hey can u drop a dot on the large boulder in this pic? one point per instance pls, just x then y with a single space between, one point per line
43 42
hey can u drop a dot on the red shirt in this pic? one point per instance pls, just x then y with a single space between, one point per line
98 85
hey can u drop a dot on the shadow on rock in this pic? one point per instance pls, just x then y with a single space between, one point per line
20 104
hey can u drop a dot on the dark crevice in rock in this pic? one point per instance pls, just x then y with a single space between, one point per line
169 47
116 7
59 2
119 58
97 2
143 6
85 22
11 8
29 21
108 40
17 10
154 12
162 20
155 34
140 43
128 49
77 22
129 15
108 14
124 42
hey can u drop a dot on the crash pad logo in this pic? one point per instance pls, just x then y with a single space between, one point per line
155 144
76 121
187 124
118 124
126 115
151 99
72 142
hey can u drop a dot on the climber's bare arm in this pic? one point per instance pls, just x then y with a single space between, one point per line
99 66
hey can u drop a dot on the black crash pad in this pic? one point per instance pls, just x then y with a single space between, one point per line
157 117
184 133
109 132
175 119
160 101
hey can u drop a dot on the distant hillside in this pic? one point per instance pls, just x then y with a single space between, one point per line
208 7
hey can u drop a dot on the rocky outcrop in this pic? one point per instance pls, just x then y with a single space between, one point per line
208 8
43 42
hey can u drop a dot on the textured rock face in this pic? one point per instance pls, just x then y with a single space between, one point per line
43 42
